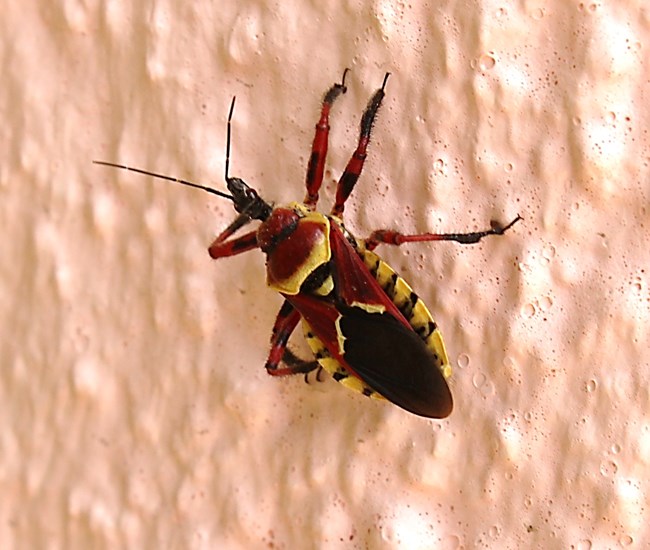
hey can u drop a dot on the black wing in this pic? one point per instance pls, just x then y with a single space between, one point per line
395 362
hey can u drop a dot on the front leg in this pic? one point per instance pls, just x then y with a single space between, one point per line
224 248
387 236
316 166
221 247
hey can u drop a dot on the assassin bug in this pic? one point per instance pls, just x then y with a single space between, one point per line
363 322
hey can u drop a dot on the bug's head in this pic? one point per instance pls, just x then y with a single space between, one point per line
247 201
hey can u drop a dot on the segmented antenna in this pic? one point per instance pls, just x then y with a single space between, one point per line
163 177
181 181
232 108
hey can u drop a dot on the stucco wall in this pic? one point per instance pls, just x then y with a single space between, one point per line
135 412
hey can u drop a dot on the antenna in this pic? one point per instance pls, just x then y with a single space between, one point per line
181 181
163 177
232 108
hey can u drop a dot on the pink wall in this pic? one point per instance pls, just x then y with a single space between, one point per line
136 412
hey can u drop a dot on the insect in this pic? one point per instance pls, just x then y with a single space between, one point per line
362 321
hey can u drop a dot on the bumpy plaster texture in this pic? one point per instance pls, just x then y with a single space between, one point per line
135 409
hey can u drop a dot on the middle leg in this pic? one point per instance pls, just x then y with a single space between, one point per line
355 165
285 323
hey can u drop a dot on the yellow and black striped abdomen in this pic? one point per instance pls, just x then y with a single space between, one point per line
410 305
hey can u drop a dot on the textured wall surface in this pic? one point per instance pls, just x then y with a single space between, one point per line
134 409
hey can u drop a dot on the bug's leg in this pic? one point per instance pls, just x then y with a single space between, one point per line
221 247
284 325
355 165
299 365
386 236
316 164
